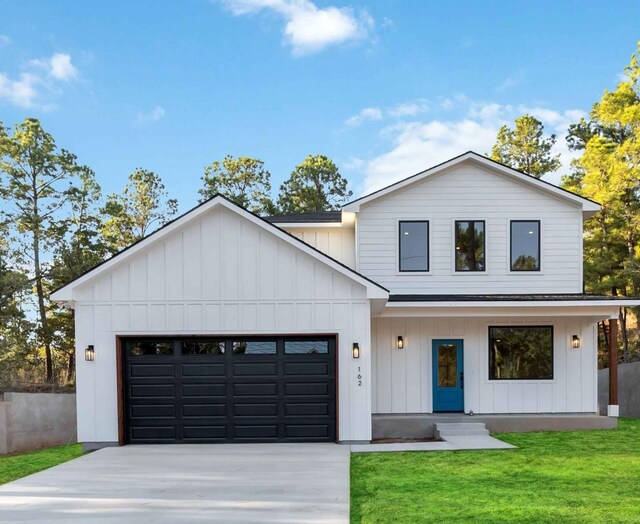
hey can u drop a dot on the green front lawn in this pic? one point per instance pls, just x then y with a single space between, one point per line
581 476
13 467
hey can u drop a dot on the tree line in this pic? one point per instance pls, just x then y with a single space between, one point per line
55 224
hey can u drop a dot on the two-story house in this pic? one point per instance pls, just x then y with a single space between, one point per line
457 290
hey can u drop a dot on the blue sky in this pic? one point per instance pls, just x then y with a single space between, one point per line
384 88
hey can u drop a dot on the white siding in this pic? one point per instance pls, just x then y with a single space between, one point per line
337 242
219 274
470 192
403 378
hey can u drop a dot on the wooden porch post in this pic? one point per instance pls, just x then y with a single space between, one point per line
613 408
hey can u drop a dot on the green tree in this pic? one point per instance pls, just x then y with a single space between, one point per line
83 249
242 180
609 172
315 185
526 148
36 177
142 207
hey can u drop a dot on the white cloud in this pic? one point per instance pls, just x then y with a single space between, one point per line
405 109
57 67
157 113
21 92
415 146
409 108
368 113
309 28
62 68
4 40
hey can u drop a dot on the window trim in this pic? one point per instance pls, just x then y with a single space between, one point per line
510 253
484 247
399 250
530 379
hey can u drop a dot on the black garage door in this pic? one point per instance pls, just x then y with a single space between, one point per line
276 389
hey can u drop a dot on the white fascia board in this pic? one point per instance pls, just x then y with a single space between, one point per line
520 303
588 207
65 294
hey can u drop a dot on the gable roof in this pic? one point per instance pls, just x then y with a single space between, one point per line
588 206
65 293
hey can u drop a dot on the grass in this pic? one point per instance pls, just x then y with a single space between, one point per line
579 476
13 467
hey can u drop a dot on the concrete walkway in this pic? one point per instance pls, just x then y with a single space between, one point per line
265 483
452 443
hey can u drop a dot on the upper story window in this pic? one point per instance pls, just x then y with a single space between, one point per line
525 245
470 245
413 245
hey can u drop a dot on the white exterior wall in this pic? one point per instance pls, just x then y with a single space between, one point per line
337 242
219 274
402 379
471 192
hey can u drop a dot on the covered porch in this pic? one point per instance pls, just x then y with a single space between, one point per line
457 359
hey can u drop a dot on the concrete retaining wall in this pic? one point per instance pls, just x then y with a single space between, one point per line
628 389
36 420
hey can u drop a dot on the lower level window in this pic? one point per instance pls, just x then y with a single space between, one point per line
520 353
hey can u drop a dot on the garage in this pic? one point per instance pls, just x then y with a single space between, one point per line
228 389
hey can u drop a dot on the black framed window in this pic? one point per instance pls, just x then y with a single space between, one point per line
470 245
306 347
203 347
255 347
520 352
138 348
525 245
413 245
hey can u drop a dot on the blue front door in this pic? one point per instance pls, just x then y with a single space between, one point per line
448 376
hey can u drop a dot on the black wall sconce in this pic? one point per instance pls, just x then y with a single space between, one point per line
90 354
356 350
576 342
400 344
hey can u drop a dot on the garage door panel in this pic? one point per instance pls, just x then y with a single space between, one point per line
255 431
152 411
266 369
204 410
307 409
307 368
261 390
152 370
217 432
255 390
152 390
201 369
204 390
150 432
256 409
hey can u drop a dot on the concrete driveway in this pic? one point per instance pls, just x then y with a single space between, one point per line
226 483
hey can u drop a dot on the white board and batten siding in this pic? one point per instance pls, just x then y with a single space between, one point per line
471 192
337 242
402 379
219 274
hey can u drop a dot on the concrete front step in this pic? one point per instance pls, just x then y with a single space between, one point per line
452 429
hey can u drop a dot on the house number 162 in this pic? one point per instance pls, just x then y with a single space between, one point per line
359 377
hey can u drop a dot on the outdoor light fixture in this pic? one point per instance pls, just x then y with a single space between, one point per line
400 342
89 354
356 350
576 342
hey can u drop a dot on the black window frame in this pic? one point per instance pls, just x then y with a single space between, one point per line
511 222
472 224
529 326
428 257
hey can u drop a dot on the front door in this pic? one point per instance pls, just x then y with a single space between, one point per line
448 375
